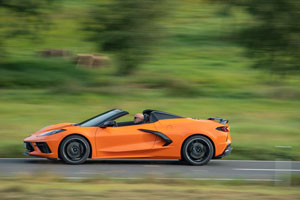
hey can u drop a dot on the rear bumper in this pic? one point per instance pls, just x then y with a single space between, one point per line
226 152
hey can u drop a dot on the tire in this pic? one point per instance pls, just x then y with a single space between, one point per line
74 150
197 150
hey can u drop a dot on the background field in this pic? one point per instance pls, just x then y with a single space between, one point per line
196 72
51 187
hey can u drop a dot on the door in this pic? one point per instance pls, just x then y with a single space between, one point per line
125 141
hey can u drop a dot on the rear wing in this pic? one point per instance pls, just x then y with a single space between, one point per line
221 120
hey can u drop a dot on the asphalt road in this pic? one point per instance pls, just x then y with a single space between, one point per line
160 169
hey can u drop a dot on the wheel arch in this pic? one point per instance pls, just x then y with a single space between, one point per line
91 148
212 142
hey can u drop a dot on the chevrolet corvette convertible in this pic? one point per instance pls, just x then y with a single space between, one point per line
160 136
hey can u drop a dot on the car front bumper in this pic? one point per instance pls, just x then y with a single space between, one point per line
40 147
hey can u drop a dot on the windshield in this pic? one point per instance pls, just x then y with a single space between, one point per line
97 120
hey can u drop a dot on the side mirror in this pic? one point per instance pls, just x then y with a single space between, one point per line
108 124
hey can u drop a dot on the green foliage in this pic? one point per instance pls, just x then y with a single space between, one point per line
197 72
23 18
295 180
129 29
27 7
272 38
42 73
262 153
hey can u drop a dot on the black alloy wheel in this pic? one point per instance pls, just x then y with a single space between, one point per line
197 150
74 149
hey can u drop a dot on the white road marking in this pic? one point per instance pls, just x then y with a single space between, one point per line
284 147
275 170
258 161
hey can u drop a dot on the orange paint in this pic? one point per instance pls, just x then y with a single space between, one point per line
129 142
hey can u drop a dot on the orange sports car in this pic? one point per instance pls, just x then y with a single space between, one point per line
159 136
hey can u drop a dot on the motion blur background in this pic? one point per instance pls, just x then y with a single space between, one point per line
68 60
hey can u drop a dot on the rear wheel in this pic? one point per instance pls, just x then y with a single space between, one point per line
197 150
74 149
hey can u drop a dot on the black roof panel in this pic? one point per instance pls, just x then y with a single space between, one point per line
156 115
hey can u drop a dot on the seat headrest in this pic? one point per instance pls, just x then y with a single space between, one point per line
146 118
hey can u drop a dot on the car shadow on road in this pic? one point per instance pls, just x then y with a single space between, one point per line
116 162
133 162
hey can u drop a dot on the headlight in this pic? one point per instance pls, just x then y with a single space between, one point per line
44 128
52 132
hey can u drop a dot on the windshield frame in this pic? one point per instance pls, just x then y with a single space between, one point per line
98 120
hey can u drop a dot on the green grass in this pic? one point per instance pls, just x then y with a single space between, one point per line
196 72
49 187
257 125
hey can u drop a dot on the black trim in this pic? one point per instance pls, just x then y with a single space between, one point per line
43 146
226 152
26 153
116 116
29 147
165 115
129 123
95 121
156 115
79 124
221 120
163 136
148 111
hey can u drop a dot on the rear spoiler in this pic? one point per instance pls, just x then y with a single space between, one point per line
221 120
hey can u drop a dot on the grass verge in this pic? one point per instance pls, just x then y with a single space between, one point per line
49 187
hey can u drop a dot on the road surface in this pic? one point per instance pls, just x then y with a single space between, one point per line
160 169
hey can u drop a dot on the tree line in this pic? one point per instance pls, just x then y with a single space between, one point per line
129 29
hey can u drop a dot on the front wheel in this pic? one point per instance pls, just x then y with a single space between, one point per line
74 150
197 150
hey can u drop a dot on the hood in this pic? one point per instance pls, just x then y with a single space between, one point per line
53 127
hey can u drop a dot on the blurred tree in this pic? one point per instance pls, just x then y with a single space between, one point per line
272 39
128 29
23 17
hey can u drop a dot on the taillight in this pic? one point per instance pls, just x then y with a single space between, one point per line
223 128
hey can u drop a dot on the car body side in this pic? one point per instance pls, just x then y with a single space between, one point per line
178 130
